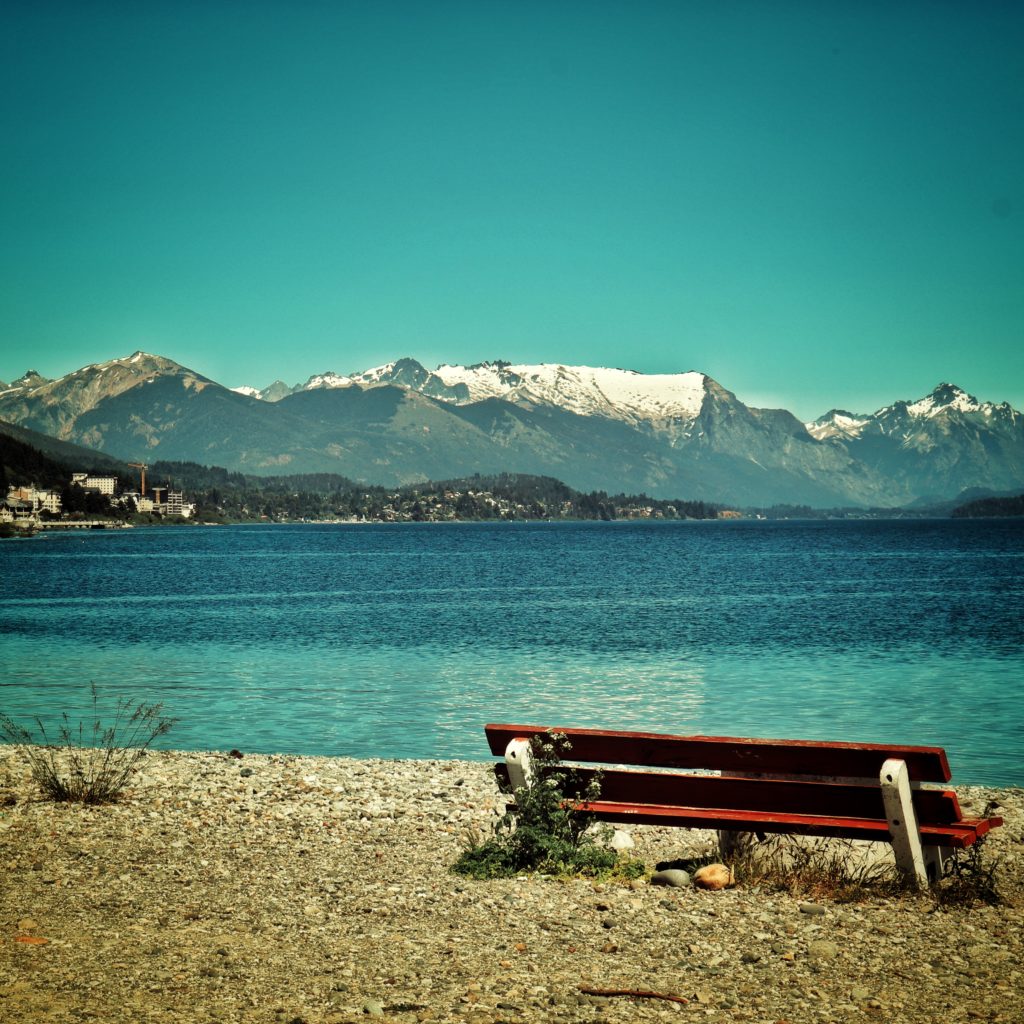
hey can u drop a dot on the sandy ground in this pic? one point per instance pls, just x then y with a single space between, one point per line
280 889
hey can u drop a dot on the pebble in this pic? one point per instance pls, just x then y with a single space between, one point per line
676 877
812 909
822 949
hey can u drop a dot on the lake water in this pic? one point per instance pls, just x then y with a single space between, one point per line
403 640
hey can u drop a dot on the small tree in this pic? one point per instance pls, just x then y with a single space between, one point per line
548 830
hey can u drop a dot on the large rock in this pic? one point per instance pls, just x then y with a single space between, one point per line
714 876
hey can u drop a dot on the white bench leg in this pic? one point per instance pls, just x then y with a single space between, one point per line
899 810
935 860
520 763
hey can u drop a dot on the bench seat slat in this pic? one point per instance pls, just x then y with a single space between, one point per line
959 836
734 754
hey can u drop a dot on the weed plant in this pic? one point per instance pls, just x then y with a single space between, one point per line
547 830
971 880
89 764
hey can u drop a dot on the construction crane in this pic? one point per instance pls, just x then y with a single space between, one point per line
142 467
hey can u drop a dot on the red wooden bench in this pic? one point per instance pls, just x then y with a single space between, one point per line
843 790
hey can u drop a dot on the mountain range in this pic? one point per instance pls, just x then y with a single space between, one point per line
670 435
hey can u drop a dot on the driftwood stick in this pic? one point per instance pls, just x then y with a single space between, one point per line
636 992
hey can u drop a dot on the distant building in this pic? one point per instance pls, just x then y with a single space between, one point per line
104 484
177 506
34 500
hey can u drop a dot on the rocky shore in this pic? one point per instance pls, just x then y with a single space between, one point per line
279 890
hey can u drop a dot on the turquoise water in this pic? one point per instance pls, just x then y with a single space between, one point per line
403 640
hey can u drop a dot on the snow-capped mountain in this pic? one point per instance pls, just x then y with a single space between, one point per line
947 404
936 444
660 400
596 428
837 423
29 379
945 401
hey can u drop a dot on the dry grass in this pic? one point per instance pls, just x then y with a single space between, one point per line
839 870
844 871
89 764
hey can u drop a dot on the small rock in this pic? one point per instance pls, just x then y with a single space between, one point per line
676 877
714 876
609 947
814 909
622 841
822 949
373 1007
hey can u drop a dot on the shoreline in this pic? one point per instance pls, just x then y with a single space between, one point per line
484 760
278 888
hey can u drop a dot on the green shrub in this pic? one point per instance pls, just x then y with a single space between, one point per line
89 765
546 830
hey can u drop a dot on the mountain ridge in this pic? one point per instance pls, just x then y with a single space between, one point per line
598 428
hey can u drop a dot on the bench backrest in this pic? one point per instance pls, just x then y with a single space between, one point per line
791 758
758 796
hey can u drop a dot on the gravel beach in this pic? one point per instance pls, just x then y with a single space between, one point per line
281 890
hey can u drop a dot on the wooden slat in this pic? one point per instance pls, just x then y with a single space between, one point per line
958 836
734 754
979 826
934 807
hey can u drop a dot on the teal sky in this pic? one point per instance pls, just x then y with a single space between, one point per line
818 203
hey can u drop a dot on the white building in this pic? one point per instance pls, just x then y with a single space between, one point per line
104 484
35 499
